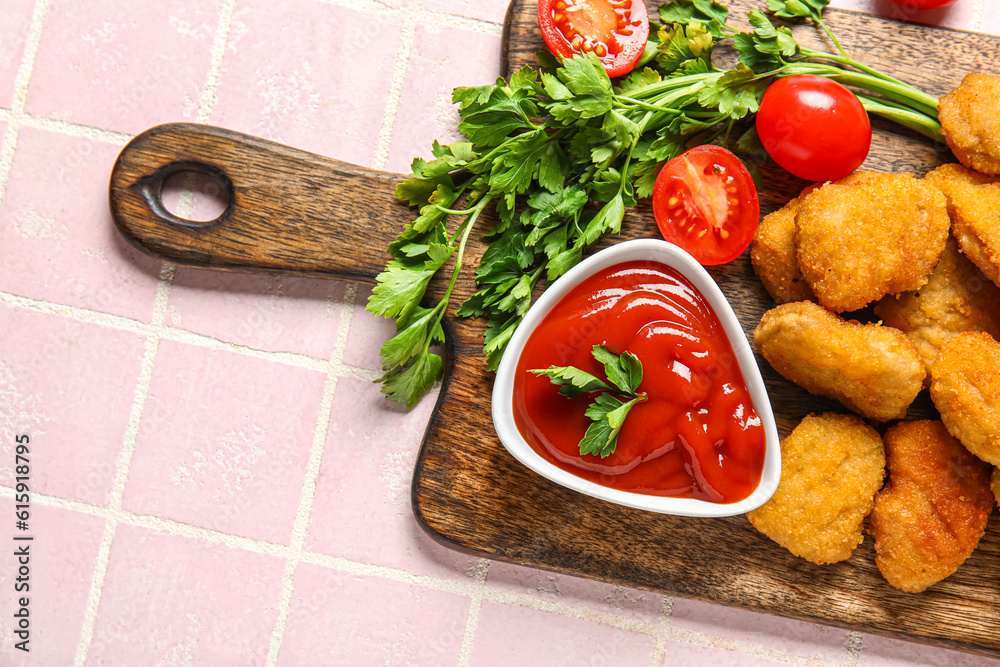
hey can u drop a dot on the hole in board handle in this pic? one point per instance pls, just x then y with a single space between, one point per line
188 193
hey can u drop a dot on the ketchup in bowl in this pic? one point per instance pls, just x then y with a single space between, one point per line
697 435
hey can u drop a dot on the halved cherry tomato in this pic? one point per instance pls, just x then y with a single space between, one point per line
615 30
814 127
923 4
705 202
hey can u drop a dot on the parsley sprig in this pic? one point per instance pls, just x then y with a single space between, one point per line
608 412
561 152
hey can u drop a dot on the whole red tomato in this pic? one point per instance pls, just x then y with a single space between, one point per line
616 32
705 201
814 127
923 4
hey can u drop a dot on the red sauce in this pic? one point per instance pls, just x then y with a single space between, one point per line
697 436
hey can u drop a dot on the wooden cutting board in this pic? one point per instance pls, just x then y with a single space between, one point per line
295 212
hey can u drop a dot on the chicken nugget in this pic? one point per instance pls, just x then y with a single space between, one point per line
831 467
873 370
932 512
995 484
957 298
970 119
973 202
965 388
774 254
882 234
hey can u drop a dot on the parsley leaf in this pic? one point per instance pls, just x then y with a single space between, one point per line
608 412
624 370
408 384
681 45
710 13
572 380
787 9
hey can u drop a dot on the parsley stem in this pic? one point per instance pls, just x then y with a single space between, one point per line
918 122
918 101
465 229
451 211
847 60
688 84
639 104
829 34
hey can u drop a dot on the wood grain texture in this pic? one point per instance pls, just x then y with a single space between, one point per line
297 212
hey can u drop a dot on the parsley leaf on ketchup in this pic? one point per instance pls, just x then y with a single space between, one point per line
607 412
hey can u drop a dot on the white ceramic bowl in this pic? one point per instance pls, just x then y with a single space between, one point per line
681 261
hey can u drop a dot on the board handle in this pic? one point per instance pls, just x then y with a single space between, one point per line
289 211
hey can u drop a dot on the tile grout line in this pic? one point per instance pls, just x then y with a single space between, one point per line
308 494
472 617
977 16
38 15
402 64
156 328
181 335
207 102
693 638
75 129
435 17
855 644
659 654
157 523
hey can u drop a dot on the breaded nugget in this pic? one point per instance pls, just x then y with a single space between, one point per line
873 370
965 388
880 235
831 467
973 202
932 512
995 484
957 298
774 254
970 119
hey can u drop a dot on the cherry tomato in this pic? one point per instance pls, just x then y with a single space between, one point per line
615 30
705 202
814 127
923 4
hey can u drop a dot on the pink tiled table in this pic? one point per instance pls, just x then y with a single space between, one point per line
216 479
